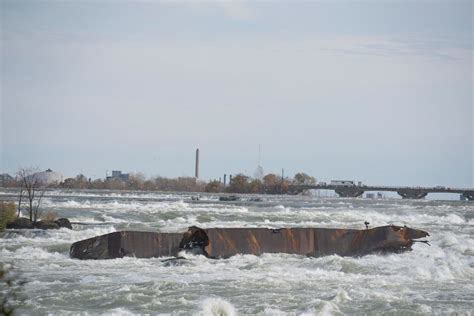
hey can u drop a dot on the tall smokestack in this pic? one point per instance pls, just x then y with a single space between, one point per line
196 174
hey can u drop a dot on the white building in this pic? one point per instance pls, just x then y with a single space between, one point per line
49 177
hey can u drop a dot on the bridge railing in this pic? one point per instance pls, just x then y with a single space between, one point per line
437 189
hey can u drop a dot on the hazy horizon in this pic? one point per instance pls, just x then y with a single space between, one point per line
378 92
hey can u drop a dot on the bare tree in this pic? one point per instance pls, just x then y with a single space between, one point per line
19 201
34 189
302 178
36 211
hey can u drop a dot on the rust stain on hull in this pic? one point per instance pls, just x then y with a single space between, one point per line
127 243
226 242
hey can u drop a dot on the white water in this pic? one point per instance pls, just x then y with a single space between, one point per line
436 279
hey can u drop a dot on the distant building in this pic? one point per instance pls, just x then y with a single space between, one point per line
342 182
5 178
117 174
48 177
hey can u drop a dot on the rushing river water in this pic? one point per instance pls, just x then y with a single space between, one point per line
430 279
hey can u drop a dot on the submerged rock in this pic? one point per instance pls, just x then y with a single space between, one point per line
229 198
226 242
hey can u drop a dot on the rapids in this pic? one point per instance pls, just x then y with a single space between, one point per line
430 279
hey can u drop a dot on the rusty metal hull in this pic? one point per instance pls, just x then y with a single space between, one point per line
127 243
226 242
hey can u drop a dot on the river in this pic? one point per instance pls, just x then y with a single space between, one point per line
430 279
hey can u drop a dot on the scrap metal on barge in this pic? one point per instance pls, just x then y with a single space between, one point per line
226 242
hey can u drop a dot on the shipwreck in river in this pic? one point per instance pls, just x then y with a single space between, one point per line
226 242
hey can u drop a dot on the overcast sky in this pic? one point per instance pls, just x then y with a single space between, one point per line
377 91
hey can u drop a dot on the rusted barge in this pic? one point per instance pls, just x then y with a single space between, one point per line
225 242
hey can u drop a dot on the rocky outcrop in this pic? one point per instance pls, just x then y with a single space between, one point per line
46 225
20 223
25 223
63 223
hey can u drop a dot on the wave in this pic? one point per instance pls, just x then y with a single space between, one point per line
43 238
430 279
217 307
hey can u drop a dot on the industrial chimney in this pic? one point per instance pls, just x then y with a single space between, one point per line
196 174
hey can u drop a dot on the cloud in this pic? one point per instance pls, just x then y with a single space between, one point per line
435 49
236 10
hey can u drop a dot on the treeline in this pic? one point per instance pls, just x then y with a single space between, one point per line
269 184
136 182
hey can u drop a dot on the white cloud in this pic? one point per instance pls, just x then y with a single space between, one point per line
233 9
162 89
237 10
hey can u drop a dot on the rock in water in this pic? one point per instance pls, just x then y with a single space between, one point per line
25 223
229 198
226 242
20 223
46 225
63 222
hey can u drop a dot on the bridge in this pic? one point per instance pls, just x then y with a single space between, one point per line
404 191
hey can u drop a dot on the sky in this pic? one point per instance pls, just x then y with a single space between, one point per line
371 91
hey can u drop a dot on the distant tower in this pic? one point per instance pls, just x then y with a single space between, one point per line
196 174
258 174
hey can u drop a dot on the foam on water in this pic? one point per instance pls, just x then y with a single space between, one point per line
217 307
431 279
